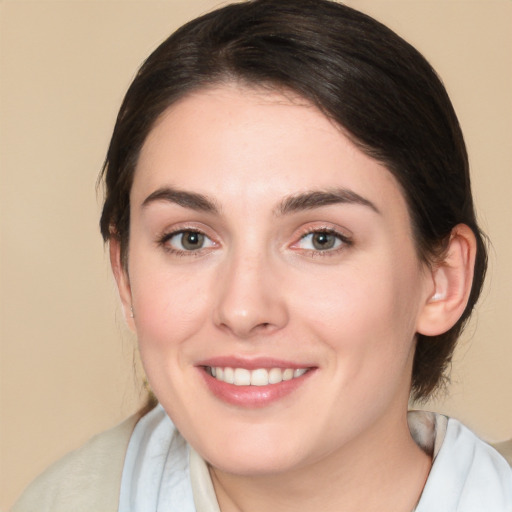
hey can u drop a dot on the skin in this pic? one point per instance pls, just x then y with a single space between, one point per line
259 287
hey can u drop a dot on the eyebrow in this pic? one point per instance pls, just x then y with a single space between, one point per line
295 203
191 200
318 198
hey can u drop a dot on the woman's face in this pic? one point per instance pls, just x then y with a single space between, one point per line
264 245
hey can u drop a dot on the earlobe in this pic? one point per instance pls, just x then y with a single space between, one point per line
452 279
122 280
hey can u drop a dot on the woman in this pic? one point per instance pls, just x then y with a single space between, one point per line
291 228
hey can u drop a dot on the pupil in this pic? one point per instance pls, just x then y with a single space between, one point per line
323 241
192 240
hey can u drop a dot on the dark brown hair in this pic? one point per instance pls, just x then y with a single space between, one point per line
359 73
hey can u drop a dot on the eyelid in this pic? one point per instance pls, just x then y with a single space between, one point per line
183 232
167 234
343 235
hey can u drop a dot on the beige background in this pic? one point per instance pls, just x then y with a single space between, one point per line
66 357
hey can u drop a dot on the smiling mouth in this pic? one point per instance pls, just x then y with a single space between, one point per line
258 377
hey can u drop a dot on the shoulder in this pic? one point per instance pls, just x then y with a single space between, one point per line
85 479
505 449
474 451
156 467
467 474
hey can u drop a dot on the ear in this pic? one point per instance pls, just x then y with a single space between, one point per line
122 280
452 279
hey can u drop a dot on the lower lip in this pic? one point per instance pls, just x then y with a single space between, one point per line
253 396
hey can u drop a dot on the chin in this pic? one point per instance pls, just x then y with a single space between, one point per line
263 465
253 455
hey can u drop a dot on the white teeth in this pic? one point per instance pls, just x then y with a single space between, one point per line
288 374
229 375
242 377
275 376
259 377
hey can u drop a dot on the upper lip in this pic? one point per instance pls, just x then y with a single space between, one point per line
252 363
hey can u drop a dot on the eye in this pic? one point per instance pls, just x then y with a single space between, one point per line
187 241
321 241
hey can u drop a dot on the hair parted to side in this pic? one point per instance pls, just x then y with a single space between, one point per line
359 73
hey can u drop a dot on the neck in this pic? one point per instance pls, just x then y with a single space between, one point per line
373 473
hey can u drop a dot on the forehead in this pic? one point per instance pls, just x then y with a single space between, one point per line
238 143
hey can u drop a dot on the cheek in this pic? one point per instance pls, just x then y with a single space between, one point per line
170 312
367 315
170 306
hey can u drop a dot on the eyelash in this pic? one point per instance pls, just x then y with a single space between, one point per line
345 242
165 238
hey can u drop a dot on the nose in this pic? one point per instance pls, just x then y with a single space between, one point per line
250 300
